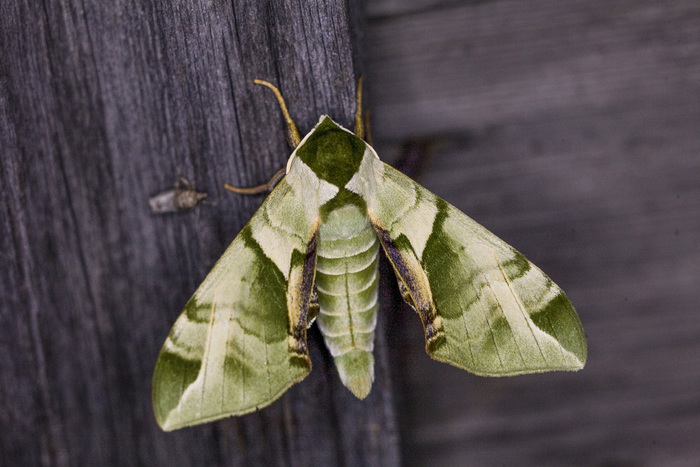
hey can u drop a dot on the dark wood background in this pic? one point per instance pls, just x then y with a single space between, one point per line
572 130
569 128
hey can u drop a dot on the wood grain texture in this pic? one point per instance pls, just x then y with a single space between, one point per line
103 104
570 129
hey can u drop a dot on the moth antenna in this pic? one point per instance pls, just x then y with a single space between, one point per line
366 126
293 132
359 128
254 190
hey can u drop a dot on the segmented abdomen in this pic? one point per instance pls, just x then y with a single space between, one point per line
346 280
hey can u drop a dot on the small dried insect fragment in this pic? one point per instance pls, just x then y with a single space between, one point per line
181 198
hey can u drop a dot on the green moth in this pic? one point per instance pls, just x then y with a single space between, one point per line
311 253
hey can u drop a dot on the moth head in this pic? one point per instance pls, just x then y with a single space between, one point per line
332 152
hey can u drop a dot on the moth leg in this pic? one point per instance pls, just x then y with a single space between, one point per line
293 134
182 181
361 118
254 190
359 129
366 128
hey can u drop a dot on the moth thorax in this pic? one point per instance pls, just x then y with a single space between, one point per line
333 153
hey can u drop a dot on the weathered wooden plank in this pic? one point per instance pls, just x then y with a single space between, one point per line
570 129
101 106
477 65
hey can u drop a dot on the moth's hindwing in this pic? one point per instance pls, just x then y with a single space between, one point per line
241 340
484 306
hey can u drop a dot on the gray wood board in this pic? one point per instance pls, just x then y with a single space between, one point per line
572 130
103 104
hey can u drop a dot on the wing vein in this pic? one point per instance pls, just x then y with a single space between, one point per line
267 361
278 227
207 351
223 386
466 331
521 308
512 333
492 334
401 215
